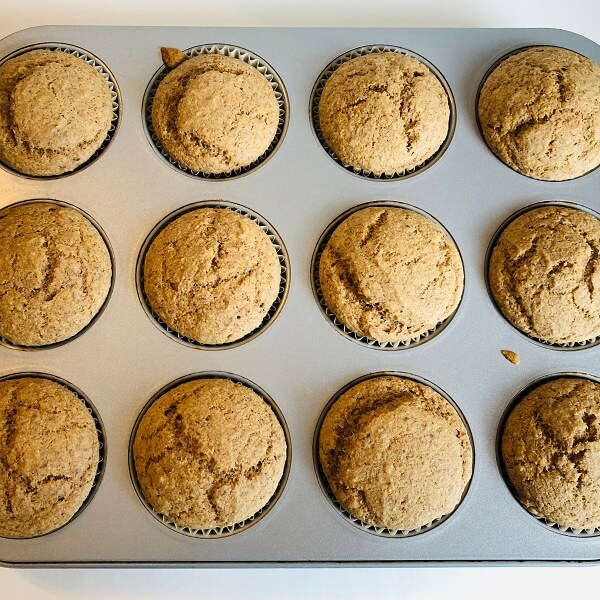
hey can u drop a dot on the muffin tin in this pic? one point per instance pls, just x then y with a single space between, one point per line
124 359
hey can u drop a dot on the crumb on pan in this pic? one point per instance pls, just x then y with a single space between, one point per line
511 356
172 57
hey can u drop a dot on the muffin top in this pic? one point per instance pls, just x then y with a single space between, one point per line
544 274
390 274
396 453
55 112
212 275
551 452
49 452
55 273
215 114
384 113
209 453
539 112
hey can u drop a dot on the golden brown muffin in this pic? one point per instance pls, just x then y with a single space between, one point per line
55 273
209 453
384 113
55 112
49 454
551 452
396 453
215 114
212 275
539 112
544 274
390 274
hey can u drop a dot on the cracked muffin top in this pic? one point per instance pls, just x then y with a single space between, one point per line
539 112
55 273
55 112
396 453
384 113
49 452
551 452
215 114
544 274
390 274
209 453
212 275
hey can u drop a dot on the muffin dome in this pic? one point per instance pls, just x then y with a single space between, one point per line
539 112
209 453
390 274
544 274
49 451
215 114
395 453
55 112
384 113
55 273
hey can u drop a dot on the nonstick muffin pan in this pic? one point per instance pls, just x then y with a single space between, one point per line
300 360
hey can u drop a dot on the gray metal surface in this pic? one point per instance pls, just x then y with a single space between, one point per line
301 361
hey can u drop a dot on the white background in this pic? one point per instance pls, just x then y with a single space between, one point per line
464 583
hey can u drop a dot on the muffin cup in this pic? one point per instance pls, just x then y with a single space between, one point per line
543 521
489 71
9 344
590 343
101 441
115 95
328 71
217 532
282 255
330 316
249 58
324 484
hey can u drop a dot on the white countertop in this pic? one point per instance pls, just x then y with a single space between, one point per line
581 16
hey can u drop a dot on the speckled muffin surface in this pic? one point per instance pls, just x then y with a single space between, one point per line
55 112
396 453
209 453
551 452
384 113
215 114
49 453
212 275
390 274
544 274
539 112
55 273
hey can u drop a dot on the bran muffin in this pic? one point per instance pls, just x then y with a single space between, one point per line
212 275
49 452
209 453
396 453
544 274
551 452
539 112
390 274
55 273
55 112
215 114
384 113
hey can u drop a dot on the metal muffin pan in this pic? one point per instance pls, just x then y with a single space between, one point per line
123 359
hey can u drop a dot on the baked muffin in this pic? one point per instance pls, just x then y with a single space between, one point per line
209 453
551 452
396 453
55 273
384 113
49 452
55 112
390 274
212 275
215 114
539 112
544 274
